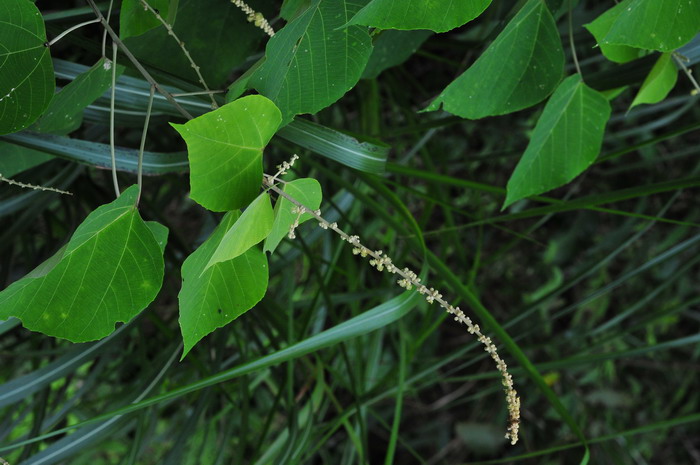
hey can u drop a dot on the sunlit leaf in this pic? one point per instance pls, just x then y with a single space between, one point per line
312 62
306 191
26 73
436 15
251 228
65 112
565 141
212 298
225 151
661 79
519 69
662 25
109 271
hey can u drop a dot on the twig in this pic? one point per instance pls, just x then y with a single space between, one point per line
111 120
32 186
139 175
136 63
71 29
688 73
572 45
181 43
104 33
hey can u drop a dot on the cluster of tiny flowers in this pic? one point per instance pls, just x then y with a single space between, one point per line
32 186
408 280
286 166
255 17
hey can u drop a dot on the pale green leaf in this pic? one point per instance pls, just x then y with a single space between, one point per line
65 112
251 228
663 25
110 270
600 28
661 79
565 141
311 62
436 15
519 69
26 73
225 151
16 158
306 191
135 20
392 48
212 298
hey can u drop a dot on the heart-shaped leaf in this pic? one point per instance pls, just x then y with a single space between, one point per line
225 151
659 81
26 73
306 191
213 297
109 271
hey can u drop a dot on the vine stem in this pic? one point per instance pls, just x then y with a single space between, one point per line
139 174
32 186
572 45
136 63
687 72
181 43
115 181
71 29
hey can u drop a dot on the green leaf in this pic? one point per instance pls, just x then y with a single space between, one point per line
565 141
15 158
218 37
313 61
26 73
65 112
110 270
662 25
600 28
135 20
212 298
519 69
436 15
225 151
661 79
392 48
251 228
308 192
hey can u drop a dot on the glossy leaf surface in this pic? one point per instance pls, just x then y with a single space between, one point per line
313 61
225 151
519 69
26 73
109 271
252 227
565 141
308 192
212 298
436 15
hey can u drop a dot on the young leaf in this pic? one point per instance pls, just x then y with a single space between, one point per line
135 20
26 73
436 15
600 28
662 25
519 69
225 151
312 61
252 227
308 192
211 298
659 82
65 112
109 271
565 141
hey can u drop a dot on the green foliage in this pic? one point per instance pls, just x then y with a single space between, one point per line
662 25
213 296
225 151
600 28
65 112
109 271
253 226
26 74
135 20
313 61
659 82
308 192
436 15
392 48
565 141
519 69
